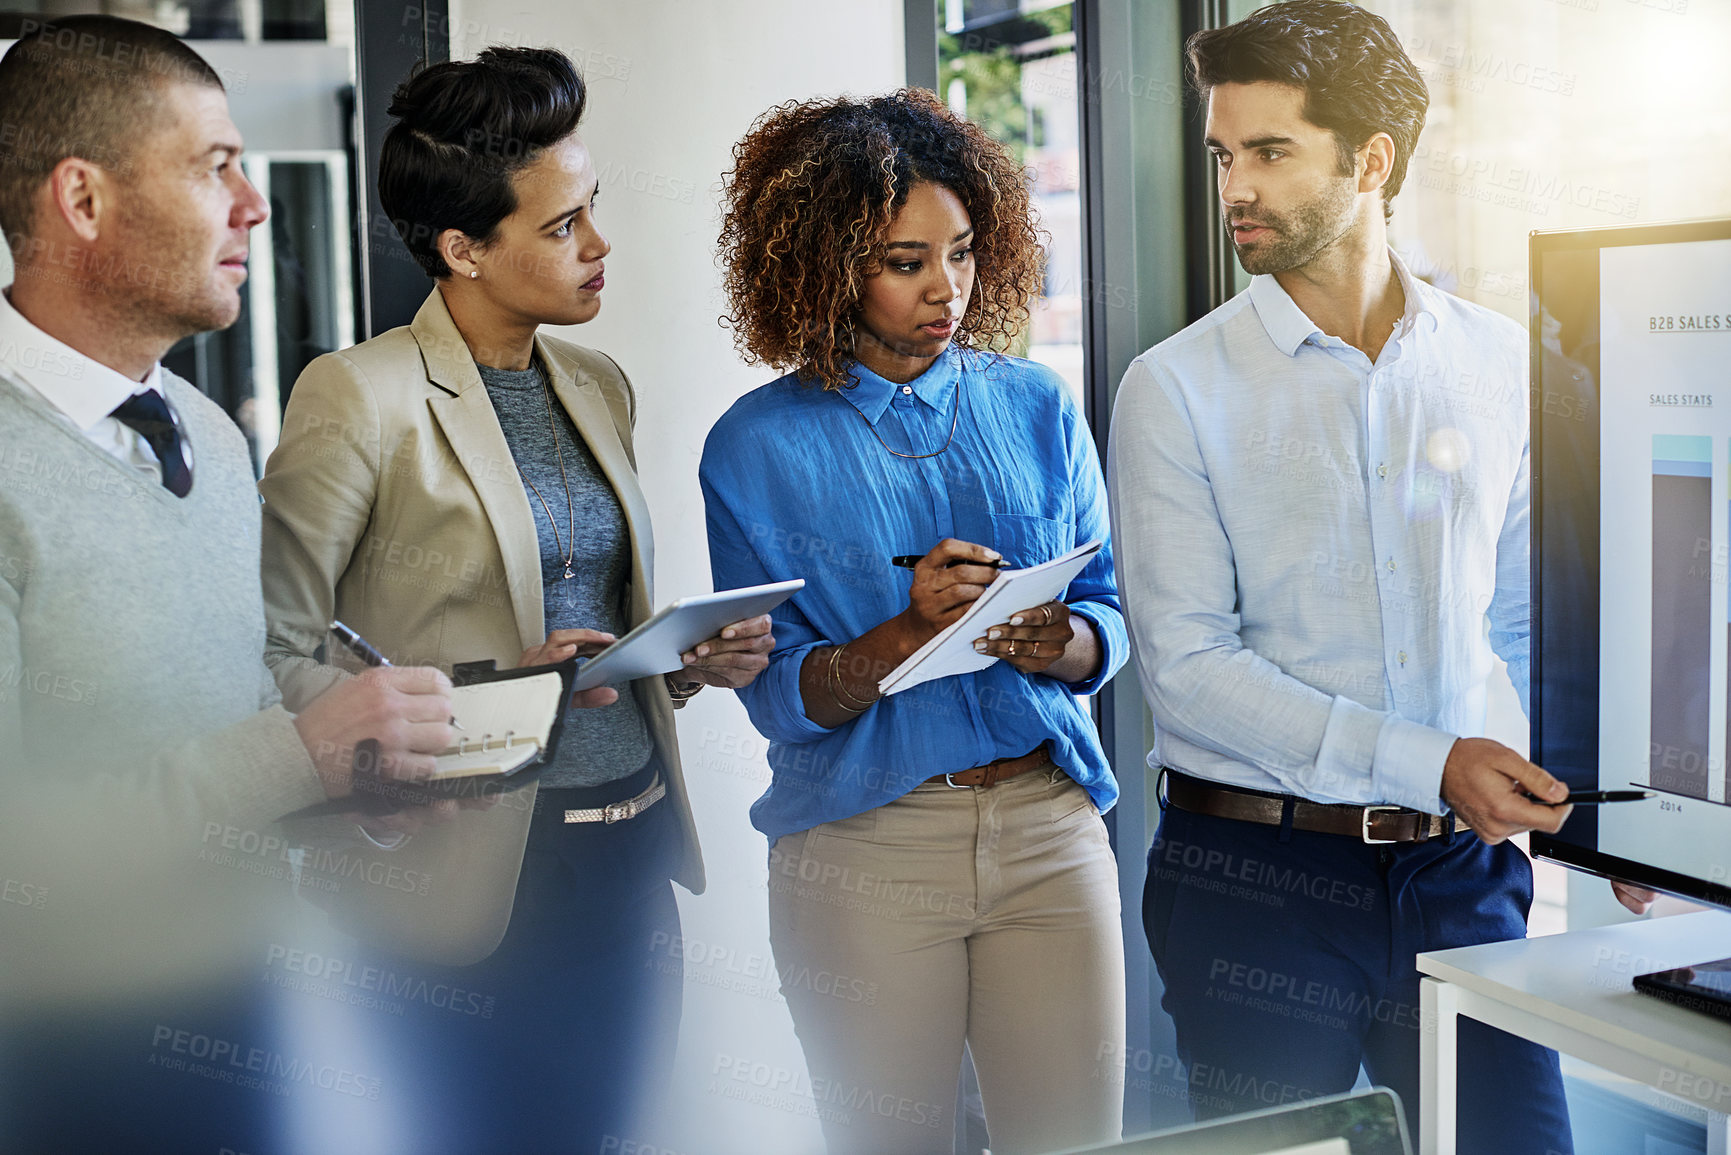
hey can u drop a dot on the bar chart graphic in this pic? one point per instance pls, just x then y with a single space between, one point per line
1682 612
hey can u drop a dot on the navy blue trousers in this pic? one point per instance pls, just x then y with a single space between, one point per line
583 998
559 1043
1288 963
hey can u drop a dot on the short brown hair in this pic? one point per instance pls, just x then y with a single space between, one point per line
810 198
83 86
1357 79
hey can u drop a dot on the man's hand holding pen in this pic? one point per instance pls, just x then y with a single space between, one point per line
1498 793
397 719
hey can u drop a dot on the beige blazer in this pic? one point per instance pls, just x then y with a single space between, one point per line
392 503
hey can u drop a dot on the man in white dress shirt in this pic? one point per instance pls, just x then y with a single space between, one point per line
1320 496
143 755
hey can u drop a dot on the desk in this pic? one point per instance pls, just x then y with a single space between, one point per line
1572 993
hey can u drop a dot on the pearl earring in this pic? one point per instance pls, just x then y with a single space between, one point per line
473 273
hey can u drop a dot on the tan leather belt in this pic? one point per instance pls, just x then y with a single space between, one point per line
1372 825
993 773
621 811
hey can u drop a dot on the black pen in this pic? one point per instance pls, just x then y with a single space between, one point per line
910 560
363 649
1596 797
358 646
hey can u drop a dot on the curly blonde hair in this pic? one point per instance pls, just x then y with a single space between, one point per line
809 201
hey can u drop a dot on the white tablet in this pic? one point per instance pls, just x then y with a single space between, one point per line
654 647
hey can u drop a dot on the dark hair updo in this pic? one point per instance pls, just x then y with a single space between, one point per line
463 130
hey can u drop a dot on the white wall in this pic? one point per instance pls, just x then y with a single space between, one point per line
672 85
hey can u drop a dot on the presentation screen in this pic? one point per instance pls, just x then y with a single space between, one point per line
1631 372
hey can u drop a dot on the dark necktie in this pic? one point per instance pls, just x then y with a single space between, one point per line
148 413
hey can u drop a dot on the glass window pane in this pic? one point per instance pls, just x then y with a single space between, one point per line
1011 69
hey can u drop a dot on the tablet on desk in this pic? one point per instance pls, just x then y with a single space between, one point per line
655 646
1704 987
1356 1123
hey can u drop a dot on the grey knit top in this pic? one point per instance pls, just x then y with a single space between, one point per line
600 745
132 626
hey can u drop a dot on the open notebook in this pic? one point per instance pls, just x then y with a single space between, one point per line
507 725
511 721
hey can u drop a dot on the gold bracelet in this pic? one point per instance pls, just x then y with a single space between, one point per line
833 680
835 669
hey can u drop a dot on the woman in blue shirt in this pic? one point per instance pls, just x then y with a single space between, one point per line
939 872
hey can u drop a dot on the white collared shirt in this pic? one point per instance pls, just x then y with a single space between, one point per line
1310 543
82 390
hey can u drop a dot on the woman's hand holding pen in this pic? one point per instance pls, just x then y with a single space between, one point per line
951 577
1045 639
562 644
839 682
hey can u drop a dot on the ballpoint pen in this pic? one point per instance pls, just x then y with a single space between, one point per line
1596 797
909 560
358 646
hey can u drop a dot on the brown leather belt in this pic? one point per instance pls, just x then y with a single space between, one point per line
1369 824
993 773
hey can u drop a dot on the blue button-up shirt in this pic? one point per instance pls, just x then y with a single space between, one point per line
797 484
1309 543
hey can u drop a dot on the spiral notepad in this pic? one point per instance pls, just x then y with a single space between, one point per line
506 725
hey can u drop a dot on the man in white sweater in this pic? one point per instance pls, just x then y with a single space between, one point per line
144 757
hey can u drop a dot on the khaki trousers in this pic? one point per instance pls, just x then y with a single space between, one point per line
985 914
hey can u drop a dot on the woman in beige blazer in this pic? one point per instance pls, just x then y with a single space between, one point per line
462 490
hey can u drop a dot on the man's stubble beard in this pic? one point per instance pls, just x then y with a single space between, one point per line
171 297
1301 235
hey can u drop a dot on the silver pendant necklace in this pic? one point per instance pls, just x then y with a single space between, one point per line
570 509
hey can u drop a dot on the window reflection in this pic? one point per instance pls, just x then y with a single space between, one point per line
1558 115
